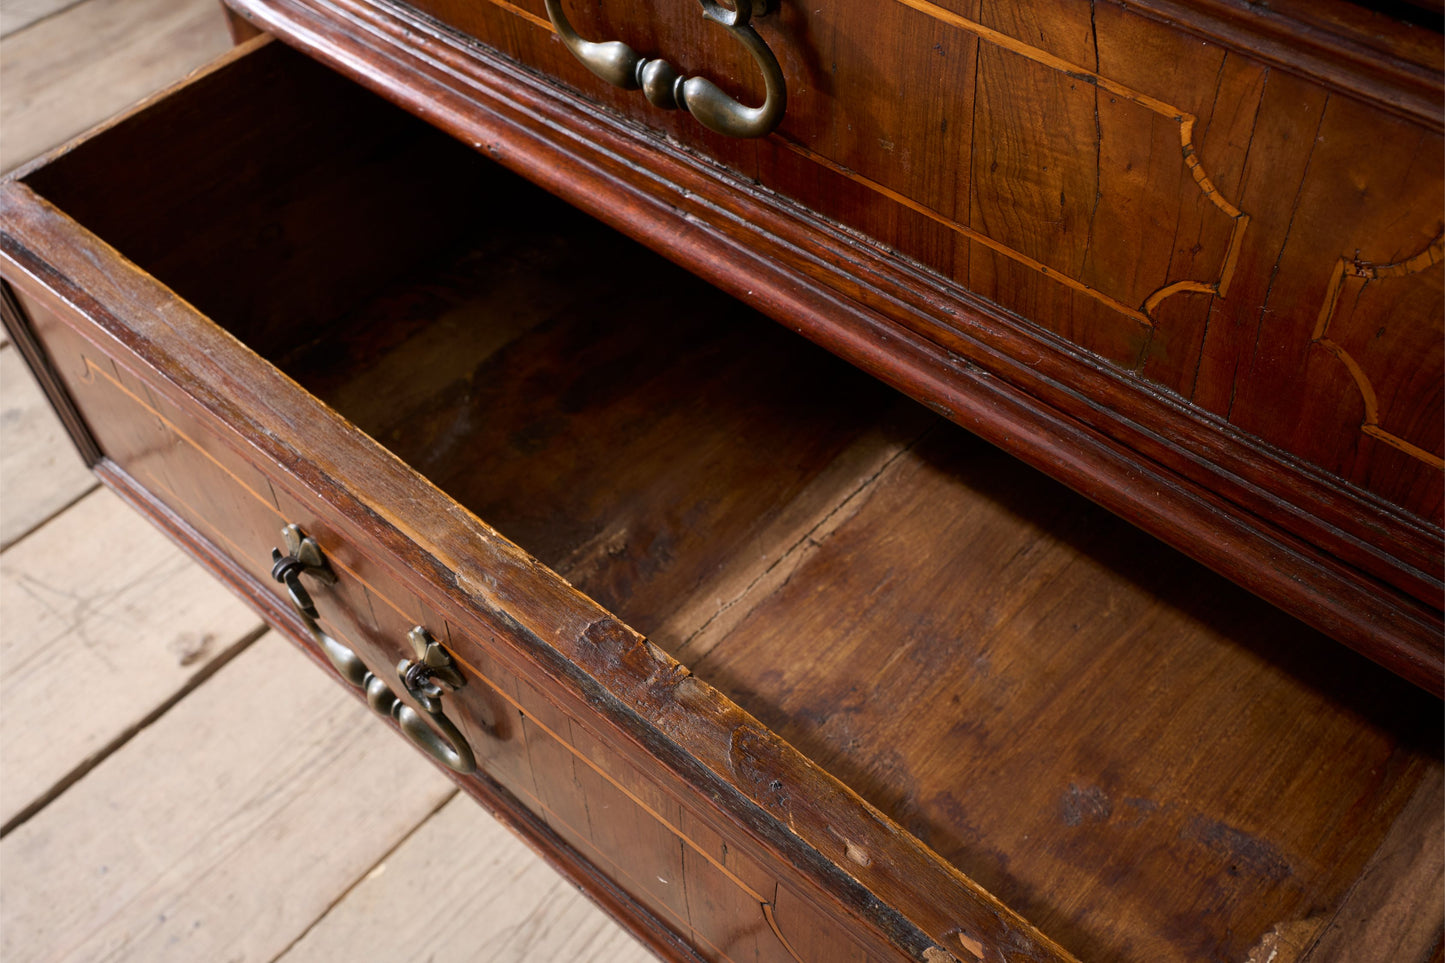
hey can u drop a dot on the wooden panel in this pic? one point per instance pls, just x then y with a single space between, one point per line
178 460
270 773
1354 384
705 884
1076 169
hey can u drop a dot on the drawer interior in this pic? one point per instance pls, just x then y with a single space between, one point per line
1138 756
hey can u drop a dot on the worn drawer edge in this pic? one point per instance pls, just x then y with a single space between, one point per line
465 569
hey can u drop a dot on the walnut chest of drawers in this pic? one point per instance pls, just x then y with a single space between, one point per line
1092 612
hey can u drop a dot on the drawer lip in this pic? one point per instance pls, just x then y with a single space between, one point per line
458 562
1331 555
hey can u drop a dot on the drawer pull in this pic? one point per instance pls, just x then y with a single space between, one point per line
424 678
620 65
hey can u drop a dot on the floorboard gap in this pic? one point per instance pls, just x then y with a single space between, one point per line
363 876
100 755
6 546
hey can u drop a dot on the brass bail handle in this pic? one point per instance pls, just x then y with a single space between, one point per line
424 678
621 66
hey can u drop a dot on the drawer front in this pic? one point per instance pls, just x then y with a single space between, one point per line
1088 168
706 881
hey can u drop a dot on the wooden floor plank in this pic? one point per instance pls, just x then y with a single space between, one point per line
40 472
72 70
222 831
104 621
463 889
16 15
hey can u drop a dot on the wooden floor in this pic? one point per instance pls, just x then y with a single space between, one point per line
176 783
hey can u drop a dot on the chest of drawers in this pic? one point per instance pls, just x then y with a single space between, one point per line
775 662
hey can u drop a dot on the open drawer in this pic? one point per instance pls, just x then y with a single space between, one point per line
776 664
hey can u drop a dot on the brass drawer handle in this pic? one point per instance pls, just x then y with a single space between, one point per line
620 65
423 679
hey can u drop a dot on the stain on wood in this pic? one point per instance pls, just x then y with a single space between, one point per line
946 691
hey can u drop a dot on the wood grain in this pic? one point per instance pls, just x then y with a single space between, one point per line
174 846
459 886
40 471
68 72
134 624
1389 915
1081 198
869 838
19 14
1359 569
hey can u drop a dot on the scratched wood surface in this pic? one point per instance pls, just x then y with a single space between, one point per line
875 555
918 569
134 691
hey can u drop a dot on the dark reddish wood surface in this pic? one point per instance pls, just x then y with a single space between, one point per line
1333 554
936 599
1311 754
1109 177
